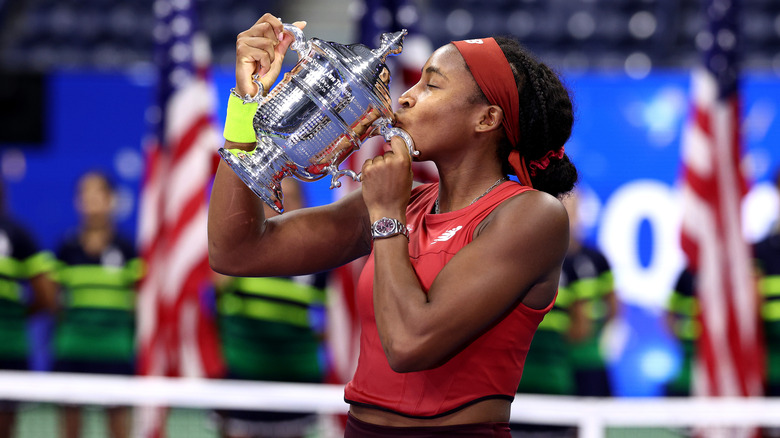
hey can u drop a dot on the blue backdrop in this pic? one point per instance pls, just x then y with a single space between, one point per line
626 144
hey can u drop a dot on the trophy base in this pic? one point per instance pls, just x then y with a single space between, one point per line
241 164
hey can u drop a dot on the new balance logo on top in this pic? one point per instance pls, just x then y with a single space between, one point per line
476 41
447 235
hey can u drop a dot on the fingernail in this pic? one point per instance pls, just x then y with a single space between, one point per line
280 36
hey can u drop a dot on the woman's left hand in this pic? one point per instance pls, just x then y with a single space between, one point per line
387 182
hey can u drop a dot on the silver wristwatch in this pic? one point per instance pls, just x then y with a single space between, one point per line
388 227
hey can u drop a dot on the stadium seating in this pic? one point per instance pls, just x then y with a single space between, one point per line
44 34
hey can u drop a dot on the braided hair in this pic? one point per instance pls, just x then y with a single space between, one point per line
546 119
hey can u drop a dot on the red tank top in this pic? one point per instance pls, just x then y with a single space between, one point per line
490 367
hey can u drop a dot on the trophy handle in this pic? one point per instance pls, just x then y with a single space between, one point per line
300 44
389 131
333 170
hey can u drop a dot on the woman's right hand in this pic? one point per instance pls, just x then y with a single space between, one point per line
260 50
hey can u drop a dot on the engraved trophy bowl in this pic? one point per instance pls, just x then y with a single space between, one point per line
305 126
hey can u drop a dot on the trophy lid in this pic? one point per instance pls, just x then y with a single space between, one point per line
365 63
390 44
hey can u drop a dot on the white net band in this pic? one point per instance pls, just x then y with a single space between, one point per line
592 416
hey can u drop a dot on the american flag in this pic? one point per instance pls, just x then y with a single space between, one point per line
729 348
176 336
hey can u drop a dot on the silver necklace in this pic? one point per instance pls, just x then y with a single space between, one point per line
495 184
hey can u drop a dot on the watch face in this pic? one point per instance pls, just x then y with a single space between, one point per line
385 226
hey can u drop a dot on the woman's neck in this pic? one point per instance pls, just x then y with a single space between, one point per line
466 173
95 236
460 191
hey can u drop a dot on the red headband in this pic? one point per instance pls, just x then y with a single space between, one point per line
493 74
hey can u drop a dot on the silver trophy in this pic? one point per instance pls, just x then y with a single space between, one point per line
305 126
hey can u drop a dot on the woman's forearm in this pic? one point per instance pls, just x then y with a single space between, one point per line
399 306
235 220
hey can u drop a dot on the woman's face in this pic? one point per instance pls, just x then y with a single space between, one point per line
95 198
440 111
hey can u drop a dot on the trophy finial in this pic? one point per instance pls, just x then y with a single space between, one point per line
390 44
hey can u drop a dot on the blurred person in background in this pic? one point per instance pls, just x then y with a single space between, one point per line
461 272
682 321
683 324
272 329
26 288
98 271
593 288
549 369
766 253
565 356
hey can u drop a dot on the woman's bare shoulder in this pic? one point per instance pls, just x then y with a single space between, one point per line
531 230
532 211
